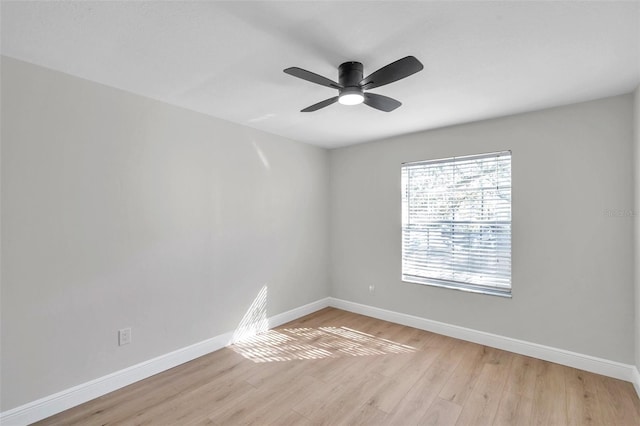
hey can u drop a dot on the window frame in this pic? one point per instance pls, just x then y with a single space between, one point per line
494 290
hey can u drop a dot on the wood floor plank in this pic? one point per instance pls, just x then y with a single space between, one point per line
258 406
482 404
516 402
202 402
452 352
581 399
523 375
290 417
390 366
332 370
335 367
366 415
549 401
616 402
155 392
441 412
337 404
416 402
398 384
514 410
464 376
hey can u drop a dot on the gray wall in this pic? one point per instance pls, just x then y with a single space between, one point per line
122 211
572 264
636 211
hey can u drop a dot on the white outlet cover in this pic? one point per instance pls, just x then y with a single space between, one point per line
124 336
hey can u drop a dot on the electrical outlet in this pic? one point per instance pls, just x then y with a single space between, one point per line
124 336
372 288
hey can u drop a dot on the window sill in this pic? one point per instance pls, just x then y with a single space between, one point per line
457 286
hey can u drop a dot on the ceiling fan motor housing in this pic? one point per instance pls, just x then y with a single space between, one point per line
350 76
351 85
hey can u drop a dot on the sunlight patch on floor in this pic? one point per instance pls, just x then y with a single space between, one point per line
314 343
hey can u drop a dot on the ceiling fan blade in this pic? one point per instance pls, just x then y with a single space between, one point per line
312 77
393 72
383 103
319 105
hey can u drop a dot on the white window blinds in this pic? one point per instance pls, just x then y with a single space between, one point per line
456 222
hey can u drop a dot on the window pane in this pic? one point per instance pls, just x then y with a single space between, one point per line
456 222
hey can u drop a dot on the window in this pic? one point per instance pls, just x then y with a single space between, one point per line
456 223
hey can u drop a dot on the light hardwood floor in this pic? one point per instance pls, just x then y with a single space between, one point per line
334 367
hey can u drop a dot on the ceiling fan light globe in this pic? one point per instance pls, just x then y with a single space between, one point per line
351 98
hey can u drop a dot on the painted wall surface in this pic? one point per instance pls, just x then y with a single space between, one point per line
571 249
120 211
636 218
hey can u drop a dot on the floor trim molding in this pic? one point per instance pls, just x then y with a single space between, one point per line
636 380
58 402
560 356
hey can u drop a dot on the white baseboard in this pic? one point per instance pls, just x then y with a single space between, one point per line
636 380
58 402
299 312
53 404
559 356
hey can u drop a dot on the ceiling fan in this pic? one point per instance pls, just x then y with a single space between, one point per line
352 87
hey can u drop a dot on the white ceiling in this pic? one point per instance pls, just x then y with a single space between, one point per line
225 59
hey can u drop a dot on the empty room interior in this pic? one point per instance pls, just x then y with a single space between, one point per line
316 212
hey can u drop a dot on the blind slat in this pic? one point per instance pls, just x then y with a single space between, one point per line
456 220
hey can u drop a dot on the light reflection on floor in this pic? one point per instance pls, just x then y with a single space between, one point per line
314 343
